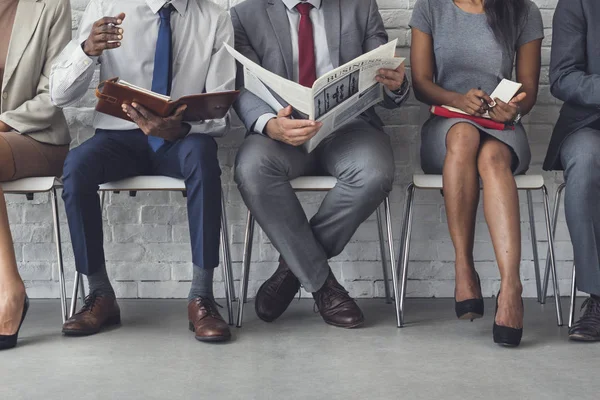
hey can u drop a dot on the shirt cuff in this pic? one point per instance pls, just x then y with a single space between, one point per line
261 123
80 58
399 96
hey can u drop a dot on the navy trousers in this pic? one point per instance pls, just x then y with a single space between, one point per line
114 155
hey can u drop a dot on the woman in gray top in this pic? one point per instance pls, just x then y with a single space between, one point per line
461 50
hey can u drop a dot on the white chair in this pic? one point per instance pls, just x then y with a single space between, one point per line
524 182
318 184
29 187
164 183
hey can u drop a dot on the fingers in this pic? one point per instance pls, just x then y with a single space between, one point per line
518 98
289 124
178 114
134 115
285 112
483 96
118 20
143 111
391 78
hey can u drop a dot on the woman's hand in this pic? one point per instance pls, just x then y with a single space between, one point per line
475 102
507 112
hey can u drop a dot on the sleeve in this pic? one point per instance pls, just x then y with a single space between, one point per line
375 35
421 18
38 113
220 76
569 80
73 71
533 29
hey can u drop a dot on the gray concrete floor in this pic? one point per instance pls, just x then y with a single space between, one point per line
154 356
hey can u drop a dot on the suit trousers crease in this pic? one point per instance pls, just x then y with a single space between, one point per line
358 155
581 160
115 155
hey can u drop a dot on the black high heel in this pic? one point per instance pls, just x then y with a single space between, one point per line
8 342
504 335
470 308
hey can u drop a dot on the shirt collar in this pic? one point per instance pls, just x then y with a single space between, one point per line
290 4
179 5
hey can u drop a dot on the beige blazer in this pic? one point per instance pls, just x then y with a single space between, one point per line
41 30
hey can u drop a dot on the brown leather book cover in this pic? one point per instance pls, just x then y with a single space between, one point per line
112 94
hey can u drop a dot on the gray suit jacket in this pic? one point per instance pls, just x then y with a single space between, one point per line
42 29
574 71
262 33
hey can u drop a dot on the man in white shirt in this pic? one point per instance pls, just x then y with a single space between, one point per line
174 48
301 40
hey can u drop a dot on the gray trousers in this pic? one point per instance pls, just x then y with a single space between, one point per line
580 155
359 156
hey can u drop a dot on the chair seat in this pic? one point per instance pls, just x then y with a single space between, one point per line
435 181
144 183
310 183
31 185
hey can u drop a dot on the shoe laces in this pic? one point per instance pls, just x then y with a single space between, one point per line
330 294
592 309
89 302
209 305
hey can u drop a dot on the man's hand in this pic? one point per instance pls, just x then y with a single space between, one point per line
106 34
476 102
169 129
4 127
294 132
507 112
392 78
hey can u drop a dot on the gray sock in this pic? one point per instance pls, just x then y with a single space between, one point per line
99 282
202 283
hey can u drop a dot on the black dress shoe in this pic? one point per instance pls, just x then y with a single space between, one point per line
505 335
10 341
335 305
471 308
587 329
276 294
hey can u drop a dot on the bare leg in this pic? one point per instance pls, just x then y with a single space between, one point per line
501 207
461 195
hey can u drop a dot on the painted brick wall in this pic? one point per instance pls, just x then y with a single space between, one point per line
147 239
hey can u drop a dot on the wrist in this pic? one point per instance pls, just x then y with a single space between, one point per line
184 130
270 127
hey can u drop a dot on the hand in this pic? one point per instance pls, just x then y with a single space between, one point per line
476 102
392 78
294 132
169 129
105 35
5 128
507 112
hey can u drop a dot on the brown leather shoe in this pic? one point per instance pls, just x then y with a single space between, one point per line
335 305
206 322
98 311
276 294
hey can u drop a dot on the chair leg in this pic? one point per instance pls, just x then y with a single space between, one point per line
226 257
557 198
61 266
559 316
390 238
77 283
386 284
405 254
536 257
243 295
573 298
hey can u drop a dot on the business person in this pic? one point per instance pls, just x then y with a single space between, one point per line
461 50
301 40
575 145
34 137
174 48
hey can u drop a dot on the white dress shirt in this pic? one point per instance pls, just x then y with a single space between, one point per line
322 56
200 61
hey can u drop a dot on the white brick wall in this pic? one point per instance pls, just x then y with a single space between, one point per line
146 237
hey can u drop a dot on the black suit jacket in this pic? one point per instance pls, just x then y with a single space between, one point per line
574 71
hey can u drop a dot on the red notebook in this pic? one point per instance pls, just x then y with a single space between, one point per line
483 122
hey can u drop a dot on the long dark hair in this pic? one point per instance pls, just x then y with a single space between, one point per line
506 18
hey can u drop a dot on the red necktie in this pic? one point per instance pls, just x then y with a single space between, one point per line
306 46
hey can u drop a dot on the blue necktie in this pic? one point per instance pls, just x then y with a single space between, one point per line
161 79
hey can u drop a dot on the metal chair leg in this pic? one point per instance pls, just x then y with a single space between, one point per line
573 298
243 295
386 284
536 257
390 237
559 316
557 198
405 253
61 266
226 261
77 282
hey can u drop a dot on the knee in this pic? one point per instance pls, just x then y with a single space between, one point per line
583 172
462 140
494 158
253 168
375 175
76 173
199 157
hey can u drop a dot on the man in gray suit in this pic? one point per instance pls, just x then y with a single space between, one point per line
301 40
575 144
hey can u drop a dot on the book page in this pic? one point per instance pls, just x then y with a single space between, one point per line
146 91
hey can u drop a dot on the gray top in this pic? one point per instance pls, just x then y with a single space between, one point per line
467 54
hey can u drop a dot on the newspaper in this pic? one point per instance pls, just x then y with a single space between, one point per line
335 99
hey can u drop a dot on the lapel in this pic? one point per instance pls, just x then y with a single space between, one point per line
26 20
281 25
332 12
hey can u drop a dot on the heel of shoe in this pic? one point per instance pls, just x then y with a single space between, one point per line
191 327
505 336
469 309
115 320
9 342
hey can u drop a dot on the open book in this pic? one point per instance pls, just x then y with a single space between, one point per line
505 91
113 93
335 99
